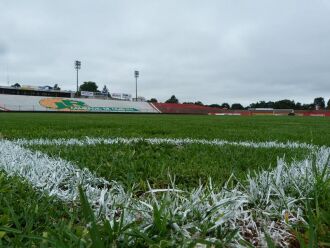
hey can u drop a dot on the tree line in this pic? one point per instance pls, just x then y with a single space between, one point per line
318 103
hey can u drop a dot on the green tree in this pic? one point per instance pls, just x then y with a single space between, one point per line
270 104
173 99
225 105
285 104
319 101
153 100
237 106
199 103
298 106
328 104
214 105
89 86
307 107
56 87
262 104
16 85
105 91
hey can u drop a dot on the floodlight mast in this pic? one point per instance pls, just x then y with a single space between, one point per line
136 74
77 66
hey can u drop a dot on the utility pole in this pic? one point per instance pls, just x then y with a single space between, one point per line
77 66
136 74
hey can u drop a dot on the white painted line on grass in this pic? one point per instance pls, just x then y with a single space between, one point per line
172 141
269 202
55 176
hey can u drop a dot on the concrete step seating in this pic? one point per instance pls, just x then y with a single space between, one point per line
38 103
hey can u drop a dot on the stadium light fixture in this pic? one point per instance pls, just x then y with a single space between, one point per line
77 66
136 74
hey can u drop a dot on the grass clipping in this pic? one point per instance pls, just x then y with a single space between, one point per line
263 208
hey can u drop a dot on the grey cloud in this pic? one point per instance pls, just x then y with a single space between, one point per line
213 51
3 49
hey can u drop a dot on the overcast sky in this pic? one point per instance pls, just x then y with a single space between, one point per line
214 50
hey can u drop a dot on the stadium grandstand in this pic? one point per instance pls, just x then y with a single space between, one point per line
46 99
39 103
31 98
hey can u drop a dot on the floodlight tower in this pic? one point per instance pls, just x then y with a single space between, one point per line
77 66
136 74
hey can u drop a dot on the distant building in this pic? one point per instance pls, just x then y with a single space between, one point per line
121 96
47 87
140 99
28 90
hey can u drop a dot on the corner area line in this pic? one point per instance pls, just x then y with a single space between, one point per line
56 177
267 204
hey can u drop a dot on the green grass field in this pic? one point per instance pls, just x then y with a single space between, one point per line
31 218
311 130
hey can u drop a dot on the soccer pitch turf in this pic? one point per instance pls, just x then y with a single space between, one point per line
163 180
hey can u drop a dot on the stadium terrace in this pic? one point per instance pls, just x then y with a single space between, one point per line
46 99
